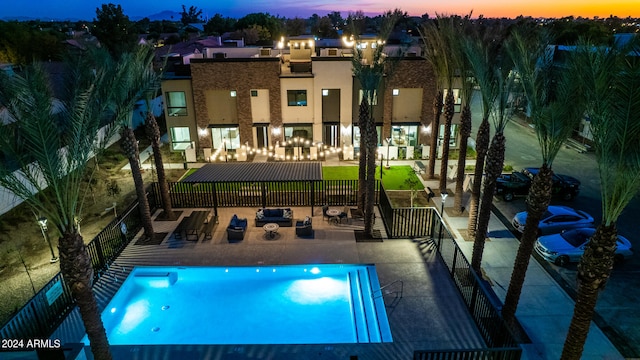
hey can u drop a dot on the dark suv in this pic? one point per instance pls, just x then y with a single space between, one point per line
518 183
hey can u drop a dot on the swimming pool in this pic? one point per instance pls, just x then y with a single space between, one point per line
287 304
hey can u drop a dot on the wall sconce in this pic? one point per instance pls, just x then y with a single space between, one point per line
426 129
275 130
348 42
202 132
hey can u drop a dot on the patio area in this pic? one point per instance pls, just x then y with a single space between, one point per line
430 315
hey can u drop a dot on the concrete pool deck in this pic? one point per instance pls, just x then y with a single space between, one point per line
430 315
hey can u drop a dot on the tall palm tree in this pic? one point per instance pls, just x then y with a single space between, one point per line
498 79
52 140
553 102
480 48
370 75
466 93
135 79
437 36
610 80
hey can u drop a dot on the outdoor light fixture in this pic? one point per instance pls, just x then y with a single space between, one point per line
388 142
42 221
444 195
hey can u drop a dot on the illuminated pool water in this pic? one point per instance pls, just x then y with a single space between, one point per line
290 304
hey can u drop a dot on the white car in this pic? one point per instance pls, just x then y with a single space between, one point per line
555 220
568 246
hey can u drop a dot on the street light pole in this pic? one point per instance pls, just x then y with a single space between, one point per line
388 141
42 221
444 195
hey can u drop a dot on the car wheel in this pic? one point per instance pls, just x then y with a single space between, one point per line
508 196
568 196
562 260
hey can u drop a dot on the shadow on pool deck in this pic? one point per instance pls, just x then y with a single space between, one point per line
430 316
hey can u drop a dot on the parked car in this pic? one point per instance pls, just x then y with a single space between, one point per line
564 187
518 183
556 219
568 246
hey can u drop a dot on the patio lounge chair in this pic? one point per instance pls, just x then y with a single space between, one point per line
304 228
236 229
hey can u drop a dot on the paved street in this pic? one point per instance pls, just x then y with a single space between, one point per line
617 307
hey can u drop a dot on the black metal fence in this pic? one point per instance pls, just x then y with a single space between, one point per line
48 308
411 222
260 194
471 354
482 302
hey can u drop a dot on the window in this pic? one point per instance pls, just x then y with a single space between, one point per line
180 138
373 98
254 93
396 92
297 97
176 103
233 93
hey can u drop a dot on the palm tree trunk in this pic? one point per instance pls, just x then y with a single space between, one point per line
435 128
538 200
153 132
130 148
482 144
495 162
448 118
594 270
76 268
363 120
372 141
465 132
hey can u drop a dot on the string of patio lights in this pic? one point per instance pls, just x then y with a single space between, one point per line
271 151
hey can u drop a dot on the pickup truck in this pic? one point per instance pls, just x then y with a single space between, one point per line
518 183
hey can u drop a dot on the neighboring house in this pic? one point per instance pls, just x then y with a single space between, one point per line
293 99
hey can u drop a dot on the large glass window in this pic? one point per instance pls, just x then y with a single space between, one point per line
176 103
226 138
356 136
298 131
180 138
454 135
297 97
405 135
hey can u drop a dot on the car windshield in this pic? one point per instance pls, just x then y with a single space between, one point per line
575 237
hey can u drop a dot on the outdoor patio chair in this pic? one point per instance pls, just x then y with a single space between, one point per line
304 228
344 214
324 212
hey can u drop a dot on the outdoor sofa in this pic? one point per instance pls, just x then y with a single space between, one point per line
282 217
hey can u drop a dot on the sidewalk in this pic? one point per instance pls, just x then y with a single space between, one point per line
545 310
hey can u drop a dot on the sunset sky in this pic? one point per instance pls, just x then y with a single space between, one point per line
85 9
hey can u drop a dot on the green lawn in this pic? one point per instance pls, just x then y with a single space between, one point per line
394 178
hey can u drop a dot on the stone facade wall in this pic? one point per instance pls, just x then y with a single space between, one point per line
241 75
411 73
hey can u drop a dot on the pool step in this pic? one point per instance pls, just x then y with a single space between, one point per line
368 311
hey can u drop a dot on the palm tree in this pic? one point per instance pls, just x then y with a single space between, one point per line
370 75
135 79
466 93
436 36
479 49
610 80
553 102
52 140
496 78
